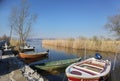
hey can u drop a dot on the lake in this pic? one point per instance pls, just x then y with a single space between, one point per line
59 53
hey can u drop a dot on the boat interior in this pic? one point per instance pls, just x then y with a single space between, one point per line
89 68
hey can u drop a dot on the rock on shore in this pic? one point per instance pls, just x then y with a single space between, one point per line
13 69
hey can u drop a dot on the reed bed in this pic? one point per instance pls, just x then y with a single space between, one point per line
15 43
95 45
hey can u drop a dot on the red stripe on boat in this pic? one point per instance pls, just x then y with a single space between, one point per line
81 79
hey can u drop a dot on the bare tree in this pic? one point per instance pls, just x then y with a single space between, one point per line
21 21
113 25
4 37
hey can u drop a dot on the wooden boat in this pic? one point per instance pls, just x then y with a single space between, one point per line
28 61
27 48
48 66
91 69
7 47
33 55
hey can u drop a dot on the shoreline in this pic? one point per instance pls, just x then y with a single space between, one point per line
13 69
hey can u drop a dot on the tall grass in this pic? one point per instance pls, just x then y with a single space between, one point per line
15 43
95 45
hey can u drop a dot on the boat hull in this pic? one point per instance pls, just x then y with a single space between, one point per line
88 79
82 79
28 61
32 56
49 66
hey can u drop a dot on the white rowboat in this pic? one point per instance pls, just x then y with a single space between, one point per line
91 69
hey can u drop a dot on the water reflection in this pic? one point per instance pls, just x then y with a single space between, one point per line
114 76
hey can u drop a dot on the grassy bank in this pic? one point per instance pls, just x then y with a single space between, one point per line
95 45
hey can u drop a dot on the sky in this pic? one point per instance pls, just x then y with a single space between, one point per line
64 18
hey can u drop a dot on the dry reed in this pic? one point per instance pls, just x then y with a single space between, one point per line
95 45
15 43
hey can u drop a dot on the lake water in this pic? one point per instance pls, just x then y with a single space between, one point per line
59 53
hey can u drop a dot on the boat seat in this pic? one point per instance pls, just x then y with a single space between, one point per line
76 72
97 64
94 65
86 70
